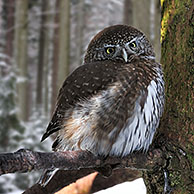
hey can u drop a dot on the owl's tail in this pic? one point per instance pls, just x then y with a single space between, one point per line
47 176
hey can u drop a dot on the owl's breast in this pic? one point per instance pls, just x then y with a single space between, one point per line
92 119
90 123
116 118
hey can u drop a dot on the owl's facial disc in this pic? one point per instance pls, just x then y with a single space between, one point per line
116 52
122 51
119 43
132 47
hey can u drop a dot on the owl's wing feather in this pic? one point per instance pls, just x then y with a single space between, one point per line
84 82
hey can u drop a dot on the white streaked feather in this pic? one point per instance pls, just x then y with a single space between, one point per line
124 145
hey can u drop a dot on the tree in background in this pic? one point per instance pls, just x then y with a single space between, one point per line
41 58
145 15
64 41
128 12
10 126
43 64
9 9
61 60
80 16
52 53
15 134
20 56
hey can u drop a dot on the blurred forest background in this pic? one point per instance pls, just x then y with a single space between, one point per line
41 42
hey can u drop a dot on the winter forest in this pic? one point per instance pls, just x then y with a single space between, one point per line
41 43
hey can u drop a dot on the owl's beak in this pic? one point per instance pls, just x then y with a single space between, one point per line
124 55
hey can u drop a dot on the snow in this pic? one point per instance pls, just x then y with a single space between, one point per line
137 186
9 179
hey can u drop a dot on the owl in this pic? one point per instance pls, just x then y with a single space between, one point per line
110 105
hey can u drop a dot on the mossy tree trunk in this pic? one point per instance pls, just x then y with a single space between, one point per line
176 133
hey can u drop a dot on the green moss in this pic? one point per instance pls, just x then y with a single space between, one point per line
175 51
177 32
175 178
164 24
191 158
177 58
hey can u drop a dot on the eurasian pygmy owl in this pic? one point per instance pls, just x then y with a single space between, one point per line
111 105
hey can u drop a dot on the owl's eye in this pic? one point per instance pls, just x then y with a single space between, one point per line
132 45
110 50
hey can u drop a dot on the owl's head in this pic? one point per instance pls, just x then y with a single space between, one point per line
119 43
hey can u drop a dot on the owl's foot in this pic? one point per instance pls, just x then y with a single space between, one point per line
47 176
167 187
105 171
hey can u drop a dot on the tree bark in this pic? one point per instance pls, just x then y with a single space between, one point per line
10 9
40 64
64 41
49 19
55 58
141 9
61 47
26 160
79 32
20 55
175 135
149 9
155 19
128 12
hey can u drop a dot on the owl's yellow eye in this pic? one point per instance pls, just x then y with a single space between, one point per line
132 45
110 50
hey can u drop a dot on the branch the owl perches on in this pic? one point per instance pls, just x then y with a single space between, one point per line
25 160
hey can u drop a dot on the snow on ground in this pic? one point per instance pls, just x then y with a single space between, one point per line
137 186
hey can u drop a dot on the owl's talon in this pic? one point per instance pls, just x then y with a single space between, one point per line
105 171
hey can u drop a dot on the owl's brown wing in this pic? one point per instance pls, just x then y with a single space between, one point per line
86 81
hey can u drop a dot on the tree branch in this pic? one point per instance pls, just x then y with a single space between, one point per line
25 160
75 163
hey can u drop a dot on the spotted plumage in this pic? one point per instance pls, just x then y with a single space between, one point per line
111 105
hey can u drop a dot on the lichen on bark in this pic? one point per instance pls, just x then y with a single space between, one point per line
176 132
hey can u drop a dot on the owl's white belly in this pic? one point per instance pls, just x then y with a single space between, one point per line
139 130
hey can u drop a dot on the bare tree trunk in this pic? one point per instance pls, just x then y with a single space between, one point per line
176 133
10 8
55 58
146 17
43 59
48 30
20 55
128 12
79 33
61 47
1 19
141 15
64 40
155 19
40 65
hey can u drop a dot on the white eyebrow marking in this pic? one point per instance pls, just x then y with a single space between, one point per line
111 45
134 39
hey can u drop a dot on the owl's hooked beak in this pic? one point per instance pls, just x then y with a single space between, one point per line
124 55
